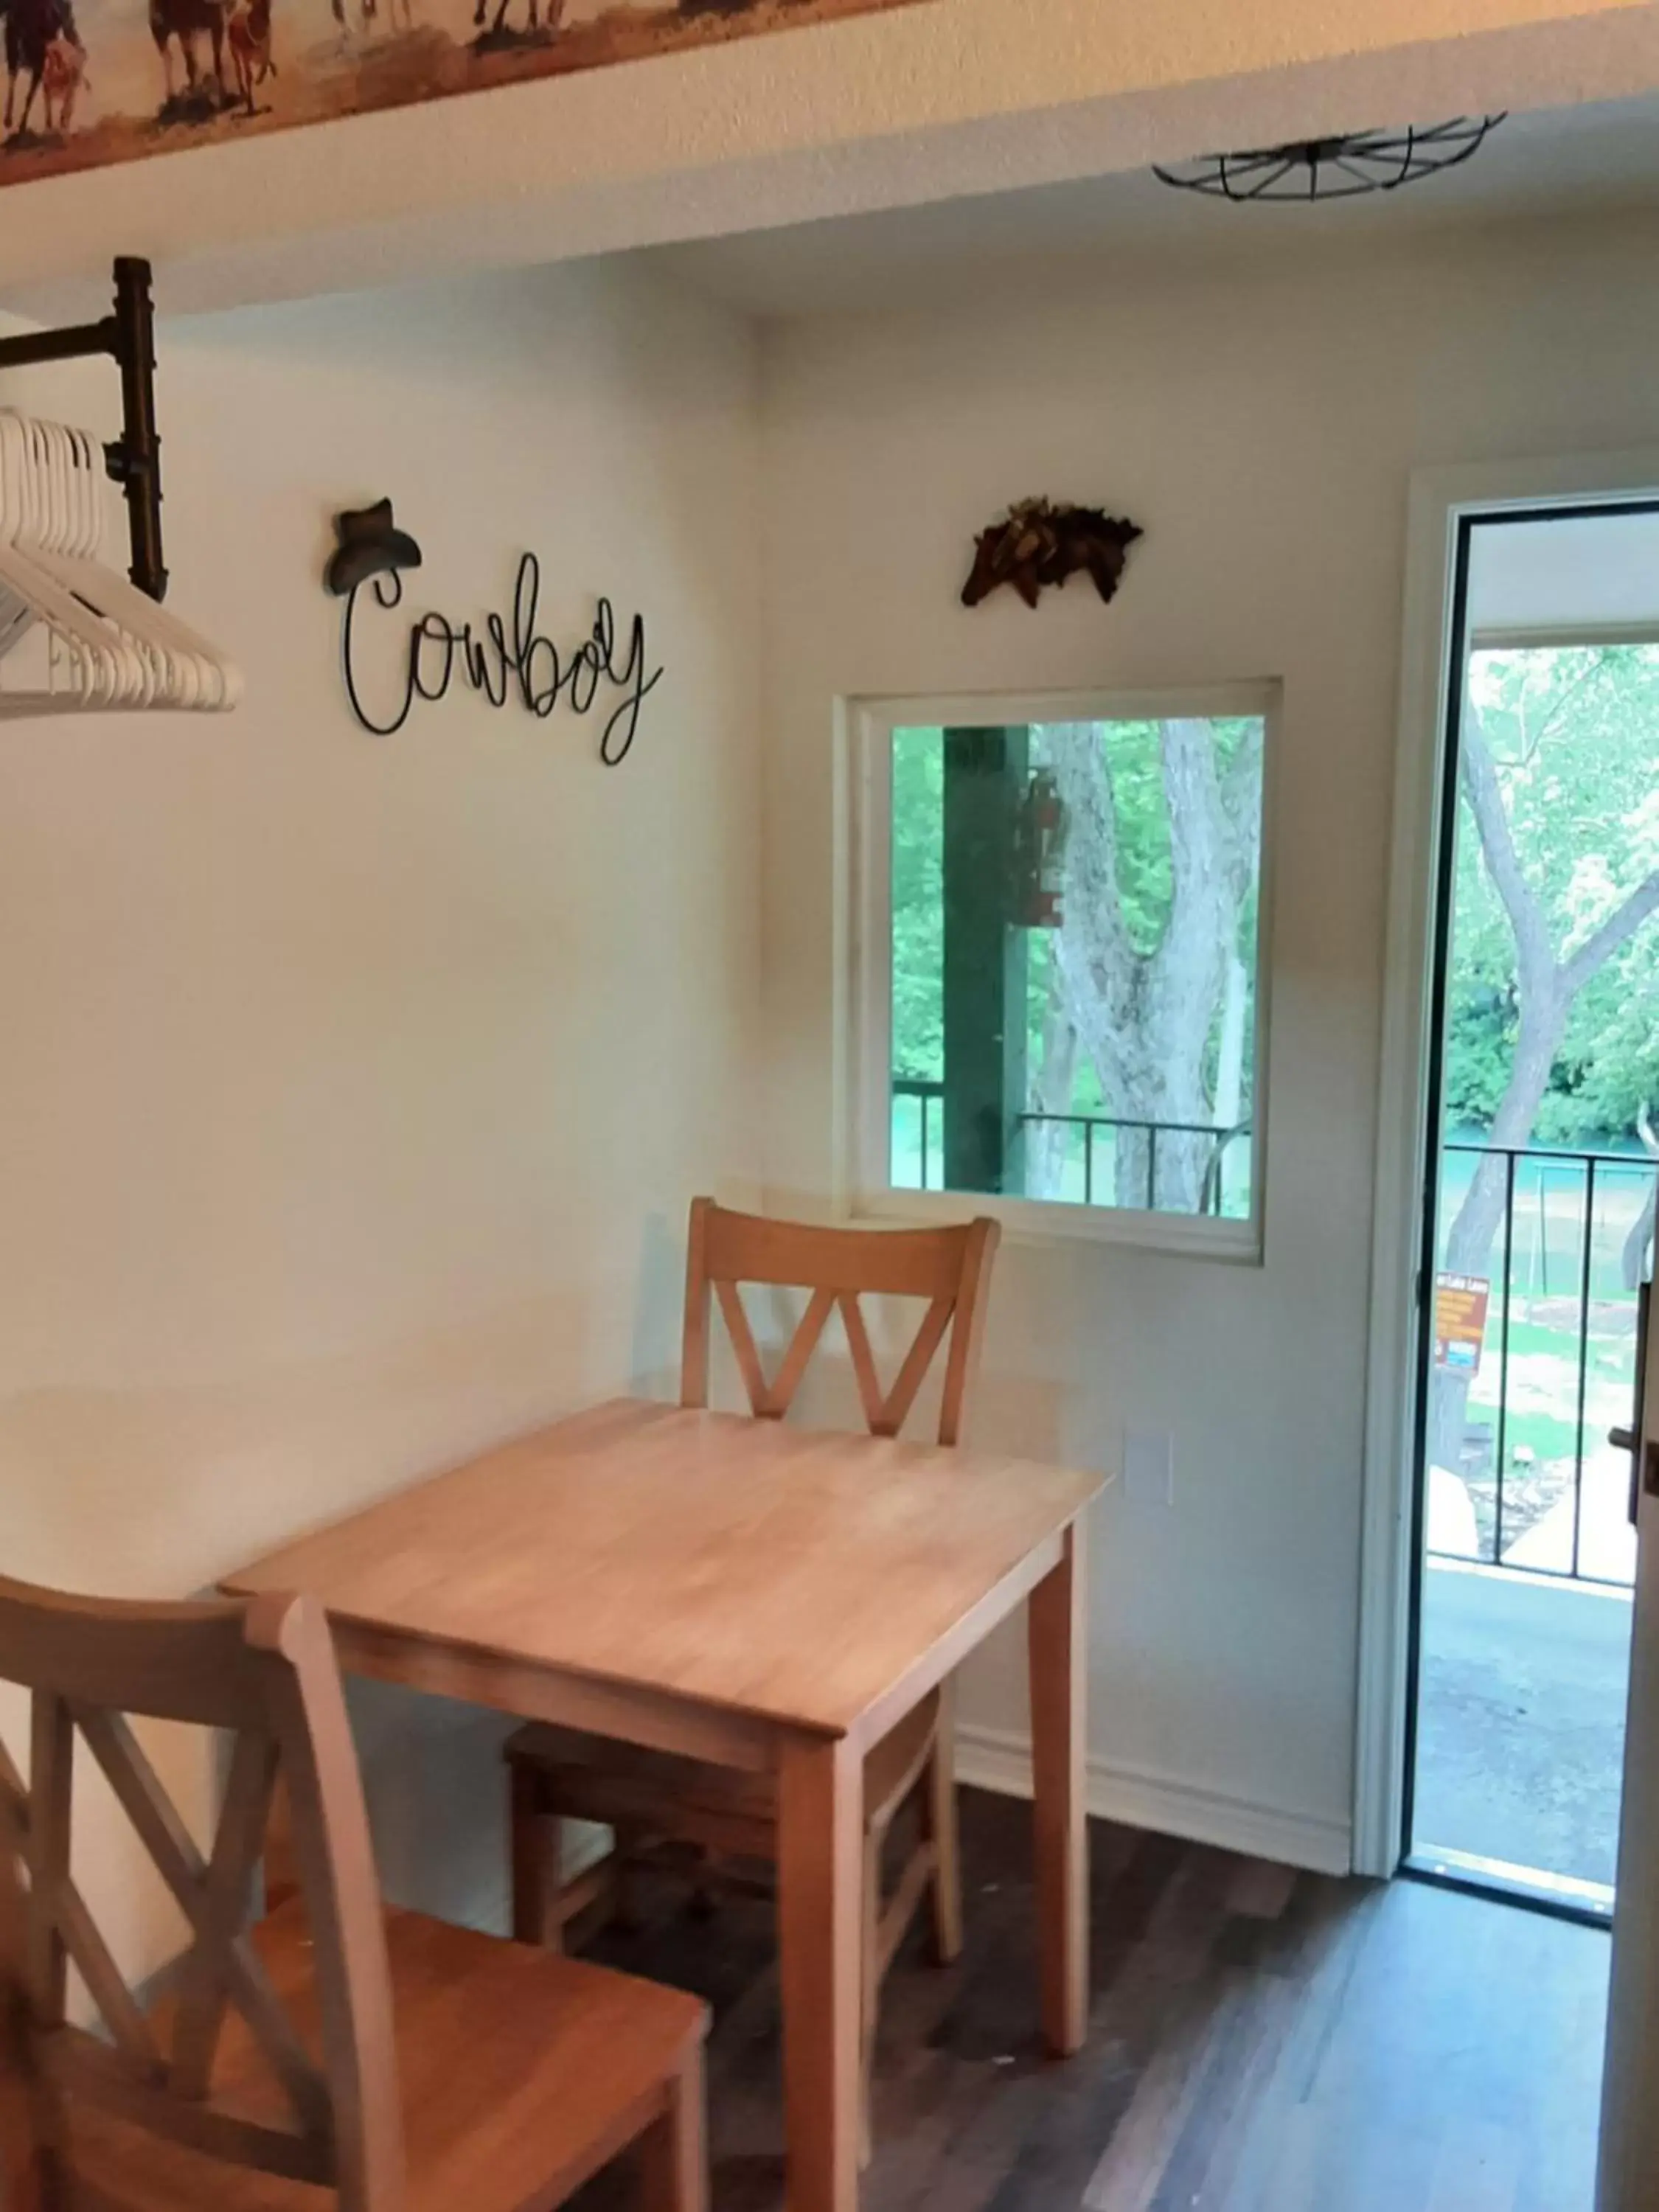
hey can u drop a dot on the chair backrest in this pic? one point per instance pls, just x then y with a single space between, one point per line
264 1671
949 1268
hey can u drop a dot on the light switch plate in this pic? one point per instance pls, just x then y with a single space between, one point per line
1149 1466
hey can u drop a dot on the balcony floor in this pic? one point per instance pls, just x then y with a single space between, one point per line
1521 1720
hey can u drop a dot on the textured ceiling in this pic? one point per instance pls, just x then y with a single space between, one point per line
1566 161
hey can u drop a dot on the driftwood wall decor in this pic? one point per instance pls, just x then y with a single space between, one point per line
1037 543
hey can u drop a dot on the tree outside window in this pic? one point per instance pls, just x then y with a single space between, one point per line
1075 945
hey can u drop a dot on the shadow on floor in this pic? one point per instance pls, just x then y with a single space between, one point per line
1261 2041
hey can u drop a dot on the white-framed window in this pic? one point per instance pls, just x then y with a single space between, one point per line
1057 993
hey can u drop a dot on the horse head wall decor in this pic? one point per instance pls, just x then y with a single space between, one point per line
1037 543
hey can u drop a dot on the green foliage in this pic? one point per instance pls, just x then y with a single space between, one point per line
918 853
1133 752
1482 1020
1145 882
1574 735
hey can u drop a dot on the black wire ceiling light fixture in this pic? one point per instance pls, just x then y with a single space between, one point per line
1340 168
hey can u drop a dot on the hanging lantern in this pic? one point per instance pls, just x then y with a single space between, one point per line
1040 859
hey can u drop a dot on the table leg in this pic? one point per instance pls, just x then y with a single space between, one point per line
1057 1633
820 1833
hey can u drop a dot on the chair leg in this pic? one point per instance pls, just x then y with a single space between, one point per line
536 1857
939 1819
673 2150
870 1993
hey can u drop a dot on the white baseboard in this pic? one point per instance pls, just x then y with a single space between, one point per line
996 1758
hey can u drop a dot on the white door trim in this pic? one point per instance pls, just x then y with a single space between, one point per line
1440 499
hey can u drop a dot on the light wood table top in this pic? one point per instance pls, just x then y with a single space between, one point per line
793 1575
766 1597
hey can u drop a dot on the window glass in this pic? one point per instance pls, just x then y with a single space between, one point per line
1074 953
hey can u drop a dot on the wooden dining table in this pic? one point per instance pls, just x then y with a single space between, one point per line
765 1596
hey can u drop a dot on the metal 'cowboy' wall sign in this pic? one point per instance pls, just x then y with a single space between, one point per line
506 657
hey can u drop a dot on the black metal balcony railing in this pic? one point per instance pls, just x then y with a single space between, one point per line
1586 1174
930 1097
1211 1190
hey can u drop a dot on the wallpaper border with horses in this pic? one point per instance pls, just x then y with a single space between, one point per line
228 69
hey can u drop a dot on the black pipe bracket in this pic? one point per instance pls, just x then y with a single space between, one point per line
127 336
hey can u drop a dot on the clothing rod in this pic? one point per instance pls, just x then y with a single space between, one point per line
81 343
133 459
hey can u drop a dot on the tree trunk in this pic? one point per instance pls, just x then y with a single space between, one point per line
1229 1080
1546 987
1229 1058
1635 1258
1145 1019
1469 1240
1049 1144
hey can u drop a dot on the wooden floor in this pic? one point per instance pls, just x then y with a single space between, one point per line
1261 2041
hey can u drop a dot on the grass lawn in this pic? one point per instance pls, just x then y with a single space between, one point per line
1541 1424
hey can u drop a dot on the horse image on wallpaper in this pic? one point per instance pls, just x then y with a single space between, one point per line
89 81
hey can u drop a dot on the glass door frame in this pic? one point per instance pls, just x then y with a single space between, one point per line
1561 1898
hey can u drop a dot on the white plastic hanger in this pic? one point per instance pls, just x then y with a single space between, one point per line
188 671
61 532
106 645
82 663
88 664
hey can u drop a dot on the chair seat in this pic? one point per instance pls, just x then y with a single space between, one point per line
522 2073
596 1779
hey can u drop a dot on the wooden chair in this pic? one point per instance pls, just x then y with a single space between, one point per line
651 1799
402 2065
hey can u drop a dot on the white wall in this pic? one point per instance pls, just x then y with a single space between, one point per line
1262 430
355 1088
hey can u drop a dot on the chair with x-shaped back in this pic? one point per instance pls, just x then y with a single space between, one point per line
651 1799
399 2064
